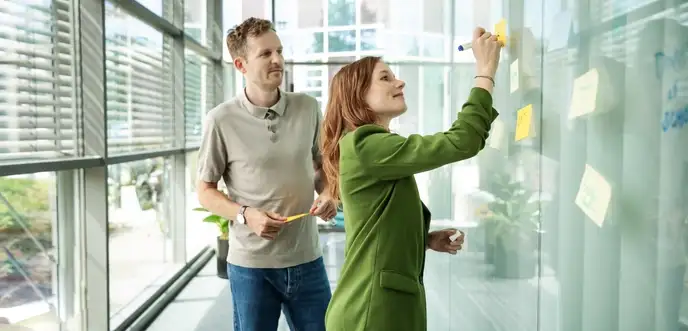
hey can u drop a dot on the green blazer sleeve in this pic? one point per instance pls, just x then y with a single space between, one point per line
389 156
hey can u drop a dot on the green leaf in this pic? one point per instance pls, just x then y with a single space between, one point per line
200 209
213 219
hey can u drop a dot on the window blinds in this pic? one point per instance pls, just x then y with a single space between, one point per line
37 102
140 112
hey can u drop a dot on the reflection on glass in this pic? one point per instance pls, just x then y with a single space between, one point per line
139 216
28 278
198 234
140 114
580 221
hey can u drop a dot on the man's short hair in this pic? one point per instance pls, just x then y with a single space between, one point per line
237 36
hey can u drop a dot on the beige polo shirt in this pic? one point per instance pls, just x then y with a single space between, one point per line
266 160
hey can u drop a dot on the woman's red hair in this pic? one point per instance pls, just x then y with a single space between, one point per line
346 110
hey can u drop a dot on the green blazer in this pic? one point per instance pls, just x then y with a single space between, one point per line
381 283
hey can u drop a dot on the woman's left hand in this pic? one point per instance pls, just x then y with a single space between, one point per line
439 241
324 207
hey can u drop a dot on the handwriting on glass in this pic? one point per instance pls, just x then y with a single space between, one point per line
676 62
675 119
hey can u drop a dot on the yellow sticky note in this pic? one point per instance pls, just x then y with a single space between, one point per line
524 119
295 217
594 195
514 76
584 96
500 31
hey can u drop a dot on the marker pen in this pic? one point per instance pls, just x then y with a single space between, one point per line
466 46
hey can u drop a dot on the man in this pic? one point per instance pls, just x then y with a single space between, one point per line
264 144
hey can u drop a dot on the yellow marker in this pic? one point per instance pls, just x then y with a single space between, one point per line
524 118
295 217
500 31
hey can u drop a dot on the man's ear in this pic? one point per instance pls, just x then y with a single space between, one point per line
239 64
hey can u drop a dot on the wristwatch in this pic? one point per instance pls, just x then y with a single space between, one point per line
241 218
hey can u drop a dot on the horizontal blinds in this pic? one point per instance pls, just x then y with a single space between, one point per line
209 92
37 116
140 112
193 97
198 95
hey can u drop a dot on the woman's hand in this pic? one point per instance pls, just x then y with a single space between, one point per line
439 241
486 50
324 207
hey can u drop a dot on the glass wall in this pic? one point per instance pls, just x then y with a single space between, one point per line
575 212
101 104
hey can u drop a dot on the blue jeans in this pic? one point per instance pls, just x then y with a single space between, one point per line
258 295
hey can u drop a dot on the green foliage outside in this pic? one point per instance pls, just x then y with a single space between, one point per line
30 198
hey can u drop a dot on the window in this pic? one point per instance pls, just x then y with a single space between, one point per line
37 82
153 5
434 15
198 233
434 46
139 215
400 44
341 41
198 95
300 44
374 11
341 12
369 39
28 224
140 111
195 20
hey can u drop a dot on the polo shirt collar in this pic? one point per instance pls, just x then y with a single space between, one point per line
260 112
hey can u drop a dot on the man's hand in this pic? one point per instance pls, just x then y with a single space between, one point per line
439 241
324 207
265 224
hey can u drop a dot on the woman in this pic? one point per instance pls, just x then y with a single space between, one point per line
381 283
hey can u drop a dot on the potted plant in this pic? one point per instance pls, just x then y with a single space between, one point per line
513 216
222 240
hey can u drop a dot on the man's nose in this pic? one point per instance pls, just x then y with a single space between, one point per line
276 58
400 83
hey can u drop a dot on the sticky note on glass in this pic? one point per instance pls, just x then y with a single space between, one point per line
514 76
500 31
524 119
496 139
584 95
594 195
295 217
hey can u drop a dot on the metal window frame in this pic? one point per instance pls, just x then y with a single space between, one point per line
89 173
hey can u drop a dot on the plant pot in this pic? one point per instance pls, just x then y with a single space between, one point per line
222 250
514 257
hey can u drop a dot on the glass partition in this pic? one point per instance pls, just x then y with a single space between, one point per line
575 212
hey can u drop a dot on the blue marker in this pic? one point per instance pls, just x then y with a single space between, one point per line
466 46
